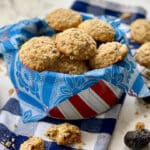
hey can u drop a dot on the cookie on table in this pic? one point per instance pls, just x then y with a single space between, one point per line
140 31
33 143
61 19
64 134
108 54
142 55
98 29
39 53
76 44
68 66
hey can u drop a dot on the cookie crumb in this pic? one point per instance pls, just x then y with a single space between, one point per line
15 126
136 113
2 142
140 126
126 15
80 145
13 146
13 139
8 144
1 69
10 91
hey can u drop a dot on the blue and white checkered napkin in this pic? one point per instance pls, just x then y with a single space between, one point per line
96 132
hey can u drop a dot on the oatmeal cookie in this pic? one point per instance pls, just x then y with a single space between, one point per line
76 44
61 19
108 54
142 55
33 143
140 31
98 29
68 66
64 134
126 15
39 53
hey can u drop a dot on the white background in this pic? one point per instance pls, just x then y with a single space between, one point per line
14 10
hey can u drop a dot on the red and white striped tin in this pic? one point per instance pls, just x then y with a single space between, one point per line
88 103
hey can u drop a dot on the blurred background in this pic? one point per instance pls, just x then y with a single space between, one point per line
15 10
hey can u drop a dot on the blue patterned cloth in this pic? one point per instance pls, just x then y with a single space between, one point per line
39 92
98 129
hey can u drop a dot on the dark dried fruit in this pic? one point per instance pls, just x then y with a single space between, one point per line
137 139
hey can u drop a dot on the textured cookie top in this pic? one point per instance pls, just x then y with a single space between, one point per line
38 53
140 30
61 19
98 29
142 55
108 54
64 134
65 65
76 44
33 143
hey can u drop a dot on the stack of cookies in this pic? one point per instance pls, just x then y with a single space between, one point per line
73 50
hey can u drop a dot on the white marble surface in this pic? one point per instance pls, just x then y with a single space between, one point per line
14 10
